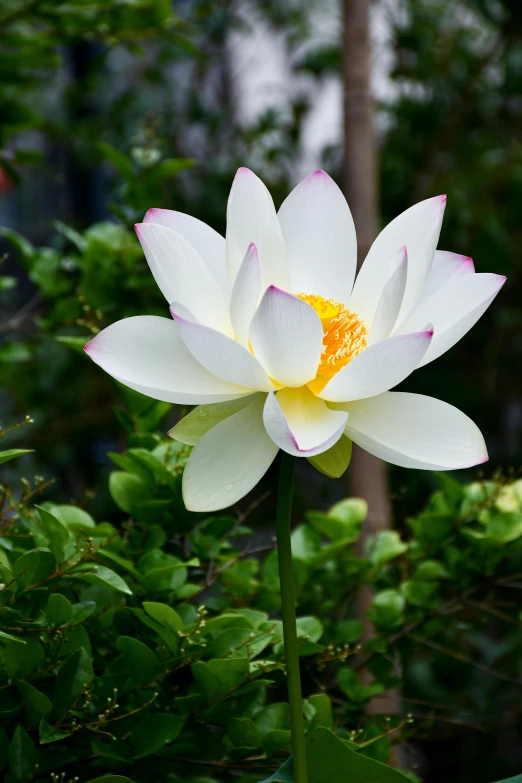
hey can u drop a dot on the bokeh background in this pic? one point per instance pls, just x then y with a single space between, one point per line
110 108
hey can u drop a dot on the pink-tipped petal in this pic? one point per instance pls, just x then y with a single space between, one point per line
147 354
320 238
418 228
414 431
182 275
300 423
251 217
378 368
206 242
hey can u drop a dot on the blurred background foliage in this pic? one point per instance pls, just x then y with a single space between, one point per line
110 108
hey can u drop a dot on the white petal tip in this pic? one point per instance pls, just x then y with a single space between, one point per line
88 348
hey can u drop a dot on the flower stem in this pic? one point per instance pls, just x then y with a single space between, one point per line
286 578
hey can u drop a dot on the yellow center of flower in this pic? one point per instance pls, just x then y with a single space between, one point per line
344 336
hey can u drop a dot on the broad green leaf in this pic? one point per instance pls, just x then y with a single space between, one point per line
343 520
334 461
516 779
323 715
353 688
388 608
386 546
164 614
419 593
22 660
50 733
75 519
452 490
59 608
306 544
56 533
22 757
105 577
330 759
34 566
9 454
74 676
153 732
272 718
430 571
276 741
285 773
128 490
244 733
138 660
190 429
219 677
36 702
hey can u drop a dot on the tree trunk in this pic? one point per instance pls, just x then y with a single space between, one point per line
367 475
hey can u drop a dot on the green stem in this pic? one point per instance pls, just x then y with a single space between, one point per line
286 578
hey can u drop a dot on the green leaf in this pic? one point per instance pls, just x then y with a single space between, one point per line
76 343
50 733
334 461
119 160
153 732
22 757
168 619
430 571
330 759
6 456
285 773
75 519
452 490
385 547
219 677
34 566
128 490
74 676
306 544
56 533
244 733
323 715
388 608
104 577
36 702
10 638
60 609
516 779
342 521
22 660
138 660
190 429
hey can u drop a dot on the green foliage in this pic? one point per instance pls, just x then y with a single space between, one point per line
121 642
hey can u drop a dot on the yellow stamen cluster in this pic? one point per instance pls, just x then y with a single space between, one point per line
345 336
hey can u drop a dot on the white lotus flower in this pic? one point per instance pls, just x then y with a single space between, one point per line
281 350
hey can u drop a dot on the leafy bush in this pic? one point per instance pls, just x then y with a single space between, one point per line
154 638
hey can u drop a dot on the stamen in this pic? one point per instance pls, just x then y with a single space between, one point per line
345 336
